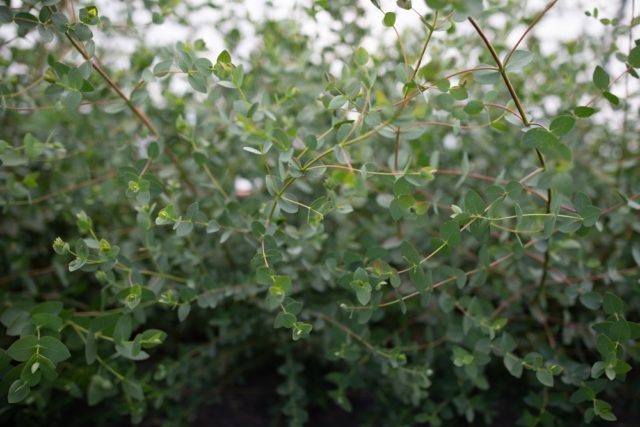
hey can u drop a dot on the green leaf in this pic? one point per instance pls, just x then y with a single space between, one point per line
519 60
562 125
198 82
18 391
284 320
612 304
605 346
437 4
443 85
227 84
534 359
461 278
459 93
604 410
131 350
450 233
402 187
133 389
600 78
72 100
53 349
445 101
286 203
49 307
614 100
513 365
88 14
25 21
122 329
132 296
547 143
584 111
461 357
46 320
361 56
300 330
506 344
473 203
486 77
152 338
81 32
545 377
363 294
389 19
513 189
162 67
184 228
75 78
473 107
224 58
192 211
583 394
22 349
404 4
591 300
410 253
590 215
620 331
32 147
634 57
12 158
421 280
183 311
337 102
282 282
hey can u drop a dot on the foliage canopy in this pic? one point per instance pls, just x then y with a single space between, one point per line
444 229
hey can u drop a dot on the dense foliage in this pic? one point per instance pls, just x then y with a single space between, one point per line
441 230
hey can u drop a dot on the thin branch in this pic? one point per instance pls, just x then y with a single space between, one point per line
424 47
501 70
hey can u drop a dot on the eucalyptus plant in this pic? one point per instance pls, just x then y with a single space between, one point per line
441 230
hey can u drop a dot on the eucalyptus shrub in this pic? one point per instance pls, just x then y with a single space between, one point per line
443 230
